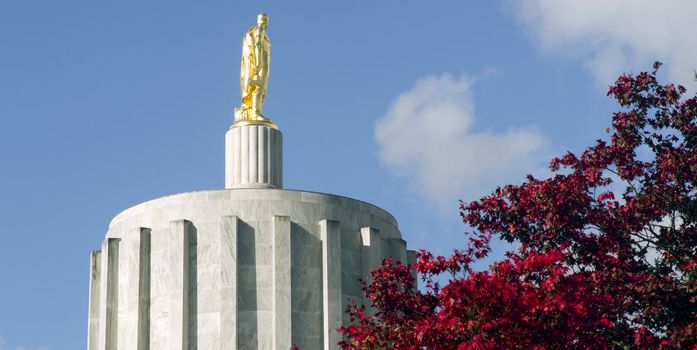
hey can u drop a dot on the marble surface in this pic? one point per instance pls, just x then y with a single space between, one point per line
235 269
253 157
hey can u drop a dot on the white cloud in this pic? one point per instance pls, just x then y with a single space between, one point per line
613 37
427 136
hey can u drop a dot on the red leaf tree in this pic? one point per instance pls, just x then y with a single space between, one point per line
606 258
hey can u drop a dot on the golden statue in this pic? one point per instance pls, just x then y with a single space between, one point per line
254 74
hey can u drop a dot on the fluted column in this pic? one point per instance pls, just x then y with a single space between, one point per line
253 157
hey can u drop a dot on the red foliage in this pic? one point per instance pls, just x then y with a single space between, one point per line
607 253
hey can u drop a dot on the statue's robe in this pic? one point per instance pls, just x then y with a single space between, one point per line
255 66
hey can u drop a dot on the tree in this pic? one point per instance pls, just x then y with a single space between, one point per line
607 254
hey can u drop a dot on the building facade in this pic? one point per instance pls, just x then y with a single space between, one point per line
251 266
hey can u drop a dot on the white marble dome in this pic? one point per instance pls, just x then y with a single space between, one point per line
246 267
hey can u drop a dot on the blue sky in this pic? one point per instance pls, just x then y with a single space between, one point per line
408 105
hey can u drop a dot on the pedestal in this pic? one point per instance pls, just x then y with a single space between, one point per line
253 157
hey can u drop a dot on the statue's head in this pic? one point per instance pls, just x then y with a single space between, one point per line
263 20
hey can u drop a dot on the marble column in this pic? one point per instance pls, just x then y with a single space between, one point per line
330 233
95 281
281 283
253 157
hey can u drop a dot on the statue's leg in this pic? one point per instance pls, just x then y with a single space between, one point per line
242 113
257 102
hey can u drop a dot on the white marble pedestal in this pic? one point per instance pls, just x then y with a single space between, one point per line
253 157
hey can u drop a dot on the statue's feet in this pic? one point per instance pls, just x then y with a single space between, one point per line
245 116
241 114
260 118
